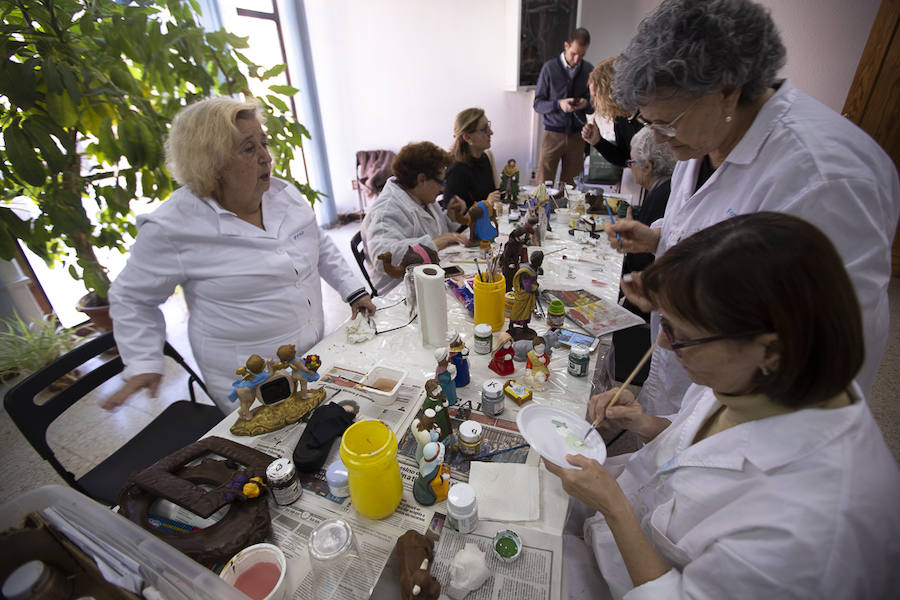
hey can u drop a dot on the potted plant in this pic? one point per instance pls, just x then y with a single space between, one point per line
27 347
90 89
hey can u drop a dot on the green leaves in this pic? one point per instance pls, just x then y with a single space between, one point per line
20 152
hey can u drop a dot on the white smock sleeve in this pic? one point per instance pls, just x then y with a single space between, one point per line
333 268
148 279
387 231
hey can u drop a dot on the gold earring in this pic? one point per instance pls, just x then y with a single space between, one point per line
764 371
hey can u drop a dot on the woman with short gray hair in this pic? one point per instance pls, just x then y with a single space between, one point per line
702 76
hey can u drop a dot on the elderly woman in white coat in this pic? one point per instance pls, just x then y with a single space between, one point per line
774 480
405 213
703 76
243 245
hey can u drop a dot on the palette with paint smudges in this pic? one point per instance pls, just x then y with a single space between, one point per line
554 432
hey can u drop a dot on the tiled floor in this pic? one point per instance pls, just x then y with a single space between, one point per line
88 433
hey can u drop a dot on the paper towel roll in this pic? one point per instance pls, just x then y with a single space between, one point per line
431 301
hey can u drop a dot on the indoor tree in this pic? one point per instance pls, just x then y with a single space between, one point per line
87 91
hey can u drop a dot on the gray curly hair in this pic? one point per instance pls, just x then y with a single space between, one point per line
700 46
646 149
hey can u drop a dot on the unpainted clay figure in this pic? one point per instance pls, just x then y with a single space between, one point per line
433 481
509 182
445 372
415 553
525 288
435 400
536 369
502 361
468 572
253 374
459 356
514 254
415 255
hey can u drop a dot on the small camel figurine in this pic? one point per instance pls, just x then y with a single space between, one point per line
415 255
415 552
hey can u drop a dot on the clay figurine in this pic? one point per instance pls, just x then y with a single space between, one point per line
468 572
525 288
415 553
445 373
425 430
509 182
536 371
415 255
433 481
514 254
253 374
302 370
459 356
483 226
435 399
502 361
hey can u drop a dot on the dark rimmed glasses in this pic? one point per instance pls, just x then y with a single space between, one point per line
676 346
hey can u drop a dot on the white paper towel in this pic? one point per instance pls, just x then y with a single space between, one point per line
431 301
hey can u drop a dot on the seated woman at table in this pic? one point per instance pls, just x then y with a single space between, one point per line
600 84
774 479
472 175
405 214
243 245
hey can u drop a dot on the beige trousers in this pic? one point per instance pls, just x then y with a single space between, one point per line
556 146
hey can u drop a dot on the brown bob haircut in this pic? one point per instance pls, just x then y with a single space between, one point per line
419 157
769 272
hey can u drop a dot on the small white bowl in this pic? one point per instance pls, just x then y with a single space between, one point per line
380 396
253 555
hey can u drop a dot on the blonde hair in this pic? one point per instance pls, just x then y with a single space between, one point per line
601 79
466 122
202 138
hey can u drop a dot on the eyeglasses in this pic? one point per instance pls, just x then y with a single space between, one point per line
437 179
630 163
676 346
486 129
664 129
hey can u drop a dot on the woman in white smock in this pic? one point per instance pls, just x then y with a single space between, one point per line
774 480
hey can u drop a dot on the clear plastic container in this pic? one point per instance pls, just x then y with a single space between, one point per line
336 563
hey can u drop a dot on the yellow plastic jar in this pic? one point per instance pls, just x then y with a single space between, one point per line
369 451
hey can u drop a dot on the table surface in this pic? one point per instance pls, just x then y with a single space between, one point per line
591 266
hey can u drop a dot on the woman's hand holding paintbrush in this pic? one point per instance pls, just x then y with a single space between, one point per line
629 235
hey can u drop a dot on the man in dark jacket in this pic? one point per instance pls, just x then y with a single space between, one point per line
562 97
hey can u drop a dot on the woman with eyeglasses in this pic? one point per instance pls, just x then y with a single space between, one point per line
702 76
774 480
405 218
625 127
472 175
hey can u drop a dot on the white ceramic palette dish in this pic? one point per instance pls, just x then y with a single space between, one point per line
554 432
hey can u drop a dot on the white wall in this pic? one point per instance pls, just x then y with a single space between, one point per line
394 71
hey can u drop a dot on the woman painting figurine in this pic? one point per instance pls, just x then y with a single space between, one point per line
774 480
600 84
406 215
472 175
243 245
703 76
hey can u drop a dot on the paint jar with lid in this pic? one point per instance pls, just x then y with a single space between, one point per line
369 451
469 438
337 479
38 581
462 508
483 338
579 358
556 314
508 300
283 482
492 397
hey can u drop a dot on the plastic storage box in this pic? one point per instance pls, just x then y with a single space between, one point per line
173 575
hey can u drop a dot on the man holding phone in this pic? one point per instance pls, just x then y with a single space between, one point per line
562 97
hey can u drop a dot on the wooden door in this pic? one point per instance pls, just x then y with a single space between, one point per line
874 99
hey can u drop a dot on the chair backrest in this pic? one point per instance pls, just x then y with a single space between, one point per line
601 171
34 419
359 253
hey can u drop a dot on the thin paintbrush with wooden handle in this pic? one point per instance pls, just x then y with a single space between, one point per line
615 397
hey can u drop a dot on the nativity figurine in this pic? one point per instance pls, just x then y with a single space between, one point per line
435 400
415 553
445 372
433 482
509 182
468 572
425 430
416 254
525 289
483 227
252 375
502 361
514 255
459 357
537 371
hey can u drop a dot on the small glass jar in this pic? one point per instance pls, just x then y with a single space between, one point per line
579 358
469 438
492 397
483 339
283 482
462 508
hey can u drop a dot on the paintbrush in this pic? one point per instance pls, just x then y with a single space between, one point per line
615 397
612 220
495 452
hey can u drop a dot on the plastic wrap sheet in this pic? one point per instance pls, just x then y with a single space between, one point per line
591 266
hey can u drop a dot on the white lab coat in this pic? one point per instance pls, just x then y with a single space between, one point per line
248 290
393 224
799 157
800 505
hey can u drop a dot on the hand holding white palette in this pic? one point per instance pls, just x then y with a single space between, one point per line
554 432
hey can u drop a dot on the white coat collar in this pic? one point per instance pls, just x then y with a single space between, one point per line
748 148
273 214
766 443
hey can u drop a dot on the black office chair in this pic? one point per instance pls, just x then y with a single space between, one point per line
359 253
181 423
